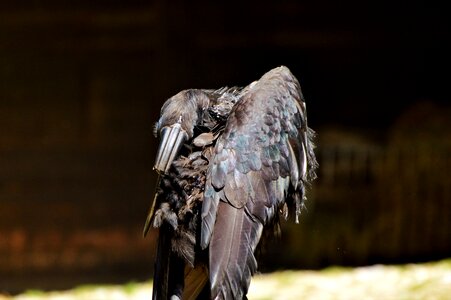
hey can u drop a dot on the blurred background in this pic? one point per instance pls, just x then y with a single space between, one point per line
81 83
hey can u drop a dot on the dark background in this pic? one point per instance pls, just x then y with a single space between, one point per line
81 84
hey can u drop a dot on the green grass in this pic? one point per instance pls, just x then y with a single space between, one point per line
35 293
410 281
131 287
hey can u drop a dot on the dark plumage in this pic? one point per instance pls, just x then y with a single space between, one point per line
230 161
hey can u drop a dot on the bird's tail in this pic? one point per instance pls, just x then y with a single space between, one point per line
172 276
168 280
196 286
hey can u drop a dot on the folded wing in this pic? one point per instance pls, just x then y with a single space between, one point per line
260 162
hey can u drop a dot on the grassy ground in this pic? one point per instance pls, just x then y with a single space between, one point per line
412 281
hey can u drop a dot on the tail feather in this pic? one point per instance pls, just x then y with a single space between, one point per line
161 271
195 281
169 268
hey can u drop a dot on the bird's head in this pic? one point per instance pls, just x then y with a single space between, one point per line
179 115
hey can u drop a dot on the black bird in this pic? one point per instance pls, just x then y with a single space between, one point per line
230 163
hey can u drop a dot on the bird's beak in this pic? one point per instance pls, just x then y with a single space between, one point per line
172 139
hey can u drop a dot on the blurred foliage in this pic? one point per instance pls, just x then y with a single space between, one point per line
411 281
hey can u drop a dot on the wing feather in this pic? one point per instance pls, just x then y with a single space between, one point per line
233 251
263 150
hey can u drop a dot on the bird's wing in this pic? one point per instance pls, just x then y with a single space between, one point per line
263 151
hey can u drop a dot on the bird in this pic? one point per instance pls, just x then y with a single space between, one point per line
231 163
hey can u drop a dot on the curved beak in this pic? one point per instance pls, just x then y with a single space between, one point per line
172 139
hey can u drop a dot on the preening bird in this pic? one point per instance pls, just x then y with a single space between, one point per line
231 162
